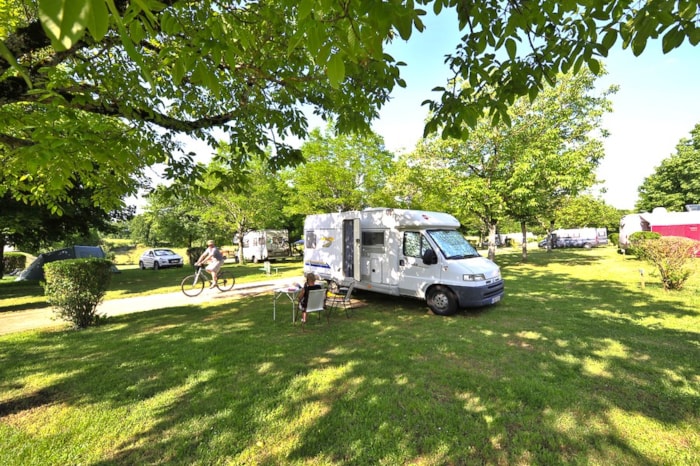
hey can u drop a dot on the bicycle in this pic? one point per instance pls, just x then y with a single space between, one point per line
193 285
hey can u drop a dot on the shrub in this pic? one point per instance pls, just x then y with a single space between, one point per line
76 286
194 253
670 255
13 260
614 239
638 236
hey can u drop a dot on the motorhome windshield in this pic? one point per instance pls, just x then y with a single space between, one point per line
452 244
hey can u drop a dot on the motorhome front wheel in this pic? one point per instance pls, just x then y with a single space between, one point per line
442 301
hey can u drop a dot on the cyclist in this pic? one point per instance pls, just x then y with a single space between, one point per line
215 258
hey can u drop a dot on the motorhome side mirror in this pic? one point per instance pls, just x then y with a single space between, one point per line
429 257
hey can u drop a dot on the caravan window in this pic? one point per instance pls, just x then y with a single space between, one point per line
414 244
373 238
310 240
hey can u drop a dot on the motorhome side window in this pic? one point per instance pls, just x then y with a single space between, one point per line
373 238
310 240
414 244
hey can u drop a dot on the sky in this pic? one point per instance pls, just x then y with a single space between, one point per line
658 104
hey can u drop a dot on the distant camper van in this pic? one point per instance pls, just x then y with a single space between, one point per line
578 238
401 252
262 245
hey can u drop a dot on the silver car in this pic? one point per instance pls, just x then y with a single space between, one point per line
160 259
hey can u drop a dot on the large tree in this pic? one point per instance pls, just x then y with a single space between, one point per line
177 67
676 182
346 172
587 211
123 96
171 216
550 148
256 203
33 228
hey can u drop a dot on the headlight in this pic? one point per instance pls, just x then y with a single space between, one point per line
473 277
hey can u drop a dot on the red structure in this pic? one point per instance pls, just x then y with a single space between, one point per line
684 224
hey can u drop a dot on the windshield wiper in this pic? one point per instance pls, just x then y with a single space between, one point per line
462 256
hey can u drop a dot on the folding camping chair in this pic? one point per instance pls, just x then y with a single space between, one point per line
342 297
316 302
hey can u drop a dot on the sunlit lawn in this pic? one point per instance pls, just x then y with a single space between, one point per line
577 365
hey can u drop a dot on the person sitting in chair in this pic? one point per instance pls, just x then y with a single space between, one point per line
303 295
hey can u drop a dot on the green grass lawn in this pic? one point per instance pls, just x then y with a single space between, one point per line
577 365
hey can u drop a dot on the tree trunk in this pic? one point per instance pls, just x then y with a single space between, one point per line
523 229
549 235
240 245
492 240
2 256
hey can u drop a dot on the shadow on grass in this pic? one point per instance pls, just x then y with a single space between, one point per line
559 372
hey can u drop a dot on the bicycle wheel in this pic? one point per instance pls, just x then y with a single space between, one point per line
226 281
191 287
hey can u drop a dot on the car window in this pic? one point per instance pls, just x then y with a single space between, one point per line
164 252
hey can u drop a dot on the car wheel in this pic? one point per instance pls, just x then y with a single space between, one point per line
587 246
442 301
142 266
156 265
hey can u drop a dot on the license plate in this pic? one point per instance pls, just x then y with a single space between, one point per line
495 299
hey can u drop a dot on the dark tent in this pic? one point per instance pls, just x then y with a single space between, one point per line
35 271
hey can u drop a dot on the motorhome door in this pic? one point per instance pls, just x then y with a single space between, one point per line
351 248
414 275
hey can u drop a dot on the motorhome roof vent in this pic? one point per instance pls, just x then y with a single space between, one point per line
659 210
692 207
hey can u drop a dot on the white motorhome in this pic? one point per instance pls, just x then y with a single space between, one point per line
262 245
401 252
577 238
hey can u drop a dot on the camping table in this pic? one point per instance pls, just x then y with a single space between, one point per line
291 294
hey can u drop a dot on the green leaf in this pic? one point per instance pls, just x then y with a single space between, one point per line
136 31
64 21
177 72
98 19
672 39
7 55
594 66
512 48
639 43
609 39
404 24
304 9
336 70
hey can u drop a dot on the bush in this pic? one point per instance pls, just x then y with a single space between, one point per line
614 239
76 286
13 260
670 255
194 253
638 236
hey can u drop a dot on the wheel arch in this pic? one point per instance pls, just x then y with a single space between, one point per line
442 299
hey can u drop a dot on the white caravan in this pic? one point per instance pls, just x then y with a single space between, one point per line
401 252
578 238
261 245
